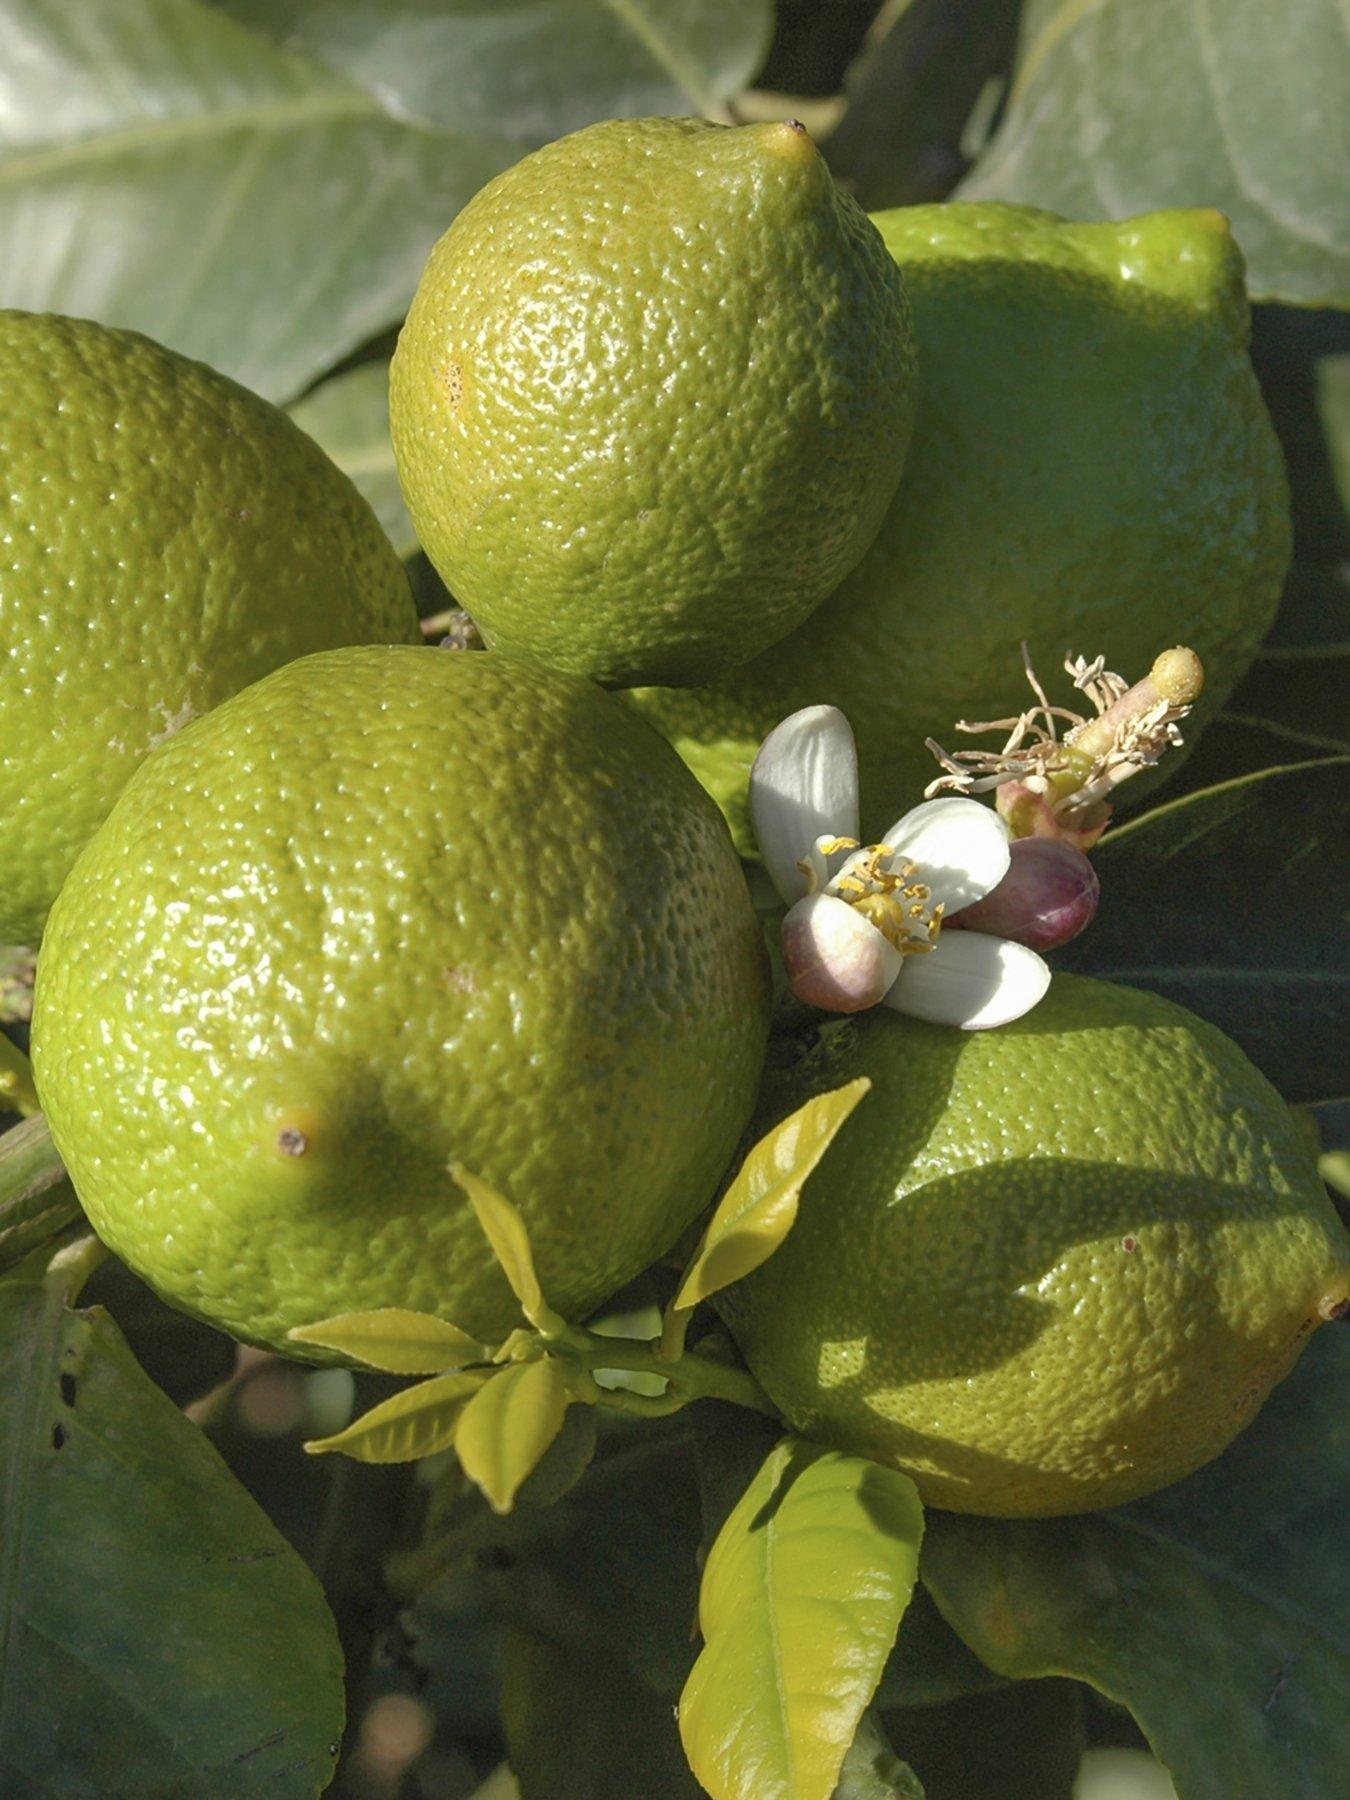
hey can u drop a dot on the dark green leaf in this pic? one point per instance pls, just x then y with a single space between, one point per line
528 69
930 1665
872 1770
730 1448
588 1728
349 417
1218 1610
180 1355
900 141
800 1601
612 1567
148 1609
1122 106
1301 359
1333 403
1233 901
1304 695
1023 1742
1237 745
163 168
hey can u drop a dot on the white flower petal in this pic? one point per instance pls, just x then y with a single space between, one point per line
835 958
971 980
804 785
962 847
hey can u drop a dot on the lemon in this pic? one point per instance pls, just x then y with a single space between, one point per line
653 396
167 538
1046 1268
384 910
1092 470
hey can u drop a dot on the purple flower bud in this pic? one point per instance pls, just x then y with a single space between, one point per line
1047 897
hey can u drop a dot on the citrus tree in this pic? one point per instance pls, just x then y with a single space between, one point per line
644 1155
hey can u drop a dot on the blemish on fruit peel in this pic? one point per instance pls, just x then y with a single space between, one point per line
864 921
1048 785
453 377
173 723
293 1132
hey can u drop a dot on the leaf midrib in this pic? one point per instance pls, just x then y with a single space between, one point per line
1213 1568
277 116
630 15
1201 973
775 1639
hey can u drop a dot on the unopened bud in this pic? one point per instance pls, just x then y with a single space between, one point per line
1047 897
834 957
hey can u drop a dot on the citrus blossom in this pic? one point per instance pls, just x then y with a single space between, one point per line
865 922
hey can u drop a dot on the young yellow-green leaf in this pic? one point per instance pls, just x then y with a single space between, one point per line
508 1425
395 1340
418 1422
802 1595
760 1207
17 1093
505 1231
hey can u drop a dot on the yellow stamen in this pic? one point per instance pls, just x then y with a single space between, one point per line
891 900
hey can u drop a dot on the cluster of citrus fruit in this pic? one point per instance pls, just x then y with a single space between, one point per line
332 912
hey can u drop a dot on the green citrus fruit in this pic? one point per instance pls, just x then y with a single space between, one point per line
653 396
168 538
386 910
1046 1268
1092 470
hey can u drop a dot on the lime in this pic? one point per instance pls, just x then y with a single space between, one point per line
1092 470
653 396
1046 1268
384 910
169 537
